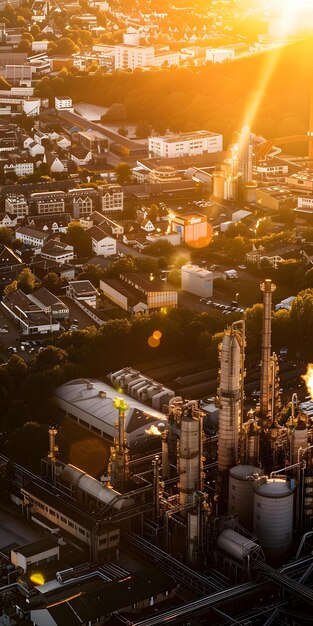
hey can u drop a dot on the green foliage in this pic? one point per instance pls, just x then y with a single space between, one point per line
115 113
123 173
5 235
160 248
143 129
26 280
79 238
123 131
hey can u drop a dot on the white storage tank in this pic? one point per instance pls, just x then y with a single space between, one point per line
242 479
235 545
273 513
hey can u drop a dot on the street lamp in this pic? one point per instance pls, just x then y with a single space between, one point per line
237 296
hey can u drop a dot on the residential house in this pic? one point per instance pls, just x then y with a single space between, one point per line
54 223
31 237
36 149
8 220
102 243
55 165
80 156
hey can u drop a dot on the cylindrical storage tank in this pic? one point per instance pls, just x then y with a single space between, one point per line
235 545
299 439
249 191
273 513
242 479
189 459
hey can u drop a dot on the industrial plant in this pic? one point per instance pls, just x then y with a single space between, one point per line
220 513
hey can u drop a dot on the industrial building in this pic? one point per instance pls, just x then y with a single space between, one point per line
197 280
90 404
185 144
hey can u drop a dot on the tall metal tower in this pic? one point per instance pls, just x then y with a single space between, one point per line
230 400
119 456
267 287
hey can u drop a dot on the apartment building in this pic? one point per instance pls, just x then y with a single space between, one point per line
16 204
112 198
131 57
48 202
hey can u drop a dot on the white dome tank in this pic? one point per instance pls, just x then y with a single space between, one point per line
273 513
242 479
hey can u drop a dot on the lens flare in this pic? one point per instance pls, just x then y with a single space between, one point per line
308 379
153 342
157 334
289 13
37 579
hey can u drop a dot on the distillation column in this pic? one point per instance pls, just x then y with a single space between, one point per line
229 421
190 456
267 287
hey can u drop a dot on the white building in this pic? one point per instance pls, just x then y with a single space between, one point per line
31 237
62 103
131 57
197 280
186 144
305 202
112 198
16 204
218 55
102 243
82 291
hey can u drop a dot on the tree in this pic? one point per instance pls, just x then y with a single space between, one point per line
237 248
24 46
123 131
143 129
79 238
28 445
10 287
65 45
308 279
123 174
160 248
26 280
253 317
17 414
174 277
5 235
93 273
51 282
116 112
48 359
